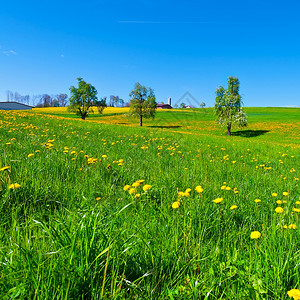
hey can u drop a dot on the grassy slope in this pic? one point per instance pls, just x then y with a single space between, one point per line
59 241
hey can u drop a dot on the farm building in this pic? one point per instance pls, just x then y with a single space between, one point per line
164 106
14 106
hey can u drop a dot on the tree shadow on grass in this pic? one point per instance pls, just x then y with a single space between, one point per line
165 126
249 133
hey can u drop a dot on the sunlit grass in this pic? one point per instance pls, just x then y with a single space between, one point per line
87 208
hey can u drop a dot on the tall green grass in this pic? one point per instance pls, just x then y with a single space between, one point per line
71 232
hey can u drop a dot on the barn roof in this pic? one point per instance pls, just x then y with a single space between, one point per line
14 106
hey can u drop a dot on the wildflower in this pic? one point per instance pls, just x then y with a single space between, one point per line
126 187
131 191
218 200
137 195
285 193
187 190
98 198
279 210
14 186
223 187
232 207
30 155
175 204
104 156
199 189
255 235
180 194
257 200
274 195
4 168
279 202
292 226
146 187
296 209
297 202
136 184
294 293
140 181
284 227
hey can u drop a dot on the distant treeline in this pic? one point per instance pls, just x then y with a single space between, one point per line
44 100
59 100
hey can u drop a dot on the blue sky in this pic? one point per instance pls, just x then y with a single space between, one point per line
171 46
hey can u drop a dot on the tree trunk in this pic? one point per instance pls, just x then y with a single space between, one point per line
83 116
141 120
229 129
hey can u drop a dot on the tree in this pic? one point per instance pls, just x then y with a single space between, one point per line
84 98
228 106
62 99
202 104
182 105
142 102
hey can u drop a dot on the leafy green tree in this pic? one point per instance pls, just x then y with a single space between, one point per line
142 102
182 105
84 98
228 106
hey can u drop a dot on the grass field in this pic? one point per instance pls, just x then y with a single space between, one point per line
102 208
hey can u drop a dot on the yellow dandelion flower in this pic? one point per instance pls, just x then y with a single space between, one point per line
4 168
98 198
232 207
279 202
228 188
137 195
223 187
104 156
284 227
274 195
188 190
279 210
296 209
218 200
199 189
140 181
292 226
285 193
126 187
37 151
30 155
146 187
136 184
255 235
175 204
294 293
131 191
257 200
14 186
180 194
298 202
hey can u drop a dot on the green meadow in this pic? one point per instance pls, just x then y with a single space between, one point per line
105 209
